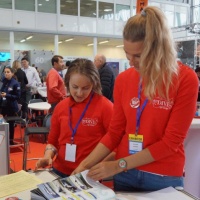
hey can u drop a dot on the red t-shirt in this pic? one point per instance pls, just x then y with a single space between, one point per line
163 124
55 87
92 128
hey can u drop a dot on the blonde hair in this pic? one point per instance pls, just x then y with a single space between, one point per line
158 63
16 65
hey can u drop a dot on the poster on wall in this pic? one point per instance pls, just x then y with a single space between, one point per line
186 52
19 54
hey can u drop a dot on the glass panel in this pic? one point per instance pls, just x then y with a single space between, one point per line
47 6
69 7
134 10
122 12
88 8
196 2
180 16
167 7
170 18
180 19
106 10
6 4
28 5
196 14
154 4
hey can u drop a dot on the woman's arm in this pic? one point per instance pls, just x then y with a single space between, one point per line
49 153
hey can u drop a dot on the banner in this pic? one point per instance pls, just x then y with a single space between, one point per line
140 5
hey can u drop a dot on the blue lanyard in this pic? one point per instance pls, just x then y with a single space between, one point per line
79 121
139 111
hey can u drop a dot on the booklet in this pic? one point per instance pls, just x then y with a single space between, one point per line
76 187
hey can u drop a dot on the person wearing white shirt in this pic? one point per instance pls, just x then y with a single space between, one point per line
33 79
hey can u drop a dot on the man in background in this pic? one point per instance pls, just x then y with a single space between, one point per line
107 76
33 79
55 85
64 71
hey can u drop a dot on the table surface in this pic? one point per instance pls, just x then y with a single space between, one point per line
45 176
39 106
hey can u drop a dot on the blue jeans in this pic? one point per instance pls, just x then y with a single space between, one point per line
135 180
62 175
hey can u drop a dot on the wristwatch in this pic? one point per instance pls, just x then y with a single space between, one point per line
123 164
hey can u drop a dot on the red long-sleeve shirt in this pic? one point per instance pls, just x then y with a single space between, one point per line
164 124
55 87
92 128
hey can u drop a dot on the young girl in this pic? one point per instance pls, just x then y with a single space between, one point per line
10 94
79 121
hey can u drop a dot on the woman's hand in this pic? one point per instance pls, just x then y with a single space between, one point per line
44 162
104 170
79 169
3 94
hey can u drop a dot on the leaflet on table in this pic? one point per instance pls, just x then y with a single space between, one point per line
76 187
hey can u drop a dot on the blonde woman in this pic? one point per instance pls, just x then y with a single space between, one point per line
155 102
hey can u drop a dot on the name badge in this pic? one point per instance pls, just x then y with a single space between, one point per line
70 152
135 143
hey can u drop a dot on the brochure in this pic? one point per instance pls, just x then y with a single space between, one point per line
76 187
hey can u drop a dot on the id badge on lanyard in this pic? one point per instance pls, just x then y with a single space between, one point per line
136 140
70 150
135 143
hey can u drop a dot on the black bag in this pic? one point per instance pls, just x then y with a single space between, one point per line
3 102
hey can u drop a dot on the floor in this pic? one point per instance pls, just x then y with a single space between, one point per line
36 150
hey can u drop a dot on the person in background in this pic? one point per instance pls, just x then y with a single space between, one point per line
154 104
197 56
55 85
64 71
79 121
22 79
197 70
33 79
10 94
107 76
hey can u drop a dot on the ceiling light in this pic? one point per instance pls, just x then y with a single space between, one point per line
120 46
90 44
23 40
107 10
59 42
70 39
28 38
40 4
104 42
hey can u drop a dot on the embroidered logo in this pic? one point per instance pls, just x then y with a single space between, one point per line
161 103
135 102
89 121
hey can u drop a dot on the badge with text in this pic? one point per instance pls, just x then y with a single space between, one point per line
135 143
70 152
135 102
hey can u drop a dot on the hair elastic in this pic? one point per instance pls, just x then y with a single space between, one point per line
143 13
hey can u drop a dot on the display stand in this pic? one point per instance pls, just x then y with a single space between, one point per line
4 149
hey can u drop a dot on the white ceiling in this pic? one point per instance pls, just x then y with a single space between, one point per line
49 38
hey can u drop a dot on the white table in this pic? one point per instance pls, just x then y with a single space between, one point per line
192 163
45 176
39 106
